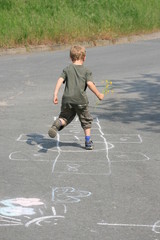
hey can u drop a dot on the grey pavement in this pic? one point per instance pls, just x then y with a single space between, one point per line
54 188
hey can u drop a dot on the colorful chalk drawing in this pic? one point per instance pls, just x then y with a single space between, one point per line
19 206
39 148
33 209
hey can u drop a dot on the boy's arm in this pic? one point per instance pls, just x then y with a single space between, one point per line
58 85
93 88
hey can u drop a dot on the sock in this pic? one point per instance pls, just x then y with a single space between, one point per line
87 138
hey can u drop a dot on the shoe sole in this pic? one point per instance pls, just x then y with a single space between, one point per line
89 148
52 132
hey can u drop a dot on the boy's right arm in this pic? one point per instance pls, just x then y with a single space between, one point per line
58 85
93 88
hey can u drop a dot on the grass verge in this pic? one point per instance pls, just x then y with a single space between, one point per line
34 22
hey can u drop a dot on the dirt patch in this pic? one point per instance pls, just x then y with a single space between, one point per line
99 42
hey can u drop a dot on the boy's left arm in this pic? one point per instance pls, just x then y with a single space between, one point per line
93 88
58 85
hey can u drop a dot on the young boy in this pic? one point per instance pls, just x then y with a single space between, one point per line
74 101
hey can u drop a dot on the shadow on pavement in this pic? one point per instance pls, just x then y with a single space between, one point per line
134 100
45 144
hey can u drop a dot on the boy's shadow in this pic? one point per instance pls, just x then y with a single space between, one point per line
44 144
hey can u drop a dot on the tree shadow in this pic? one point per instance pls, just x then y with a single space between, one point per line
134 100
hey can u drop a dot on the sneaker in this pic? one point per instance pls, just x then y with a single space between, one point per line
52 132
55 128
89 145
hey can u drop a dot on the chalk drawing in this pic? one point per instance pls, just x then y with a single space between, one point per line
59 152
68 195
73 167
128 157
33 155
9 221
124 138
37 221
106 144
67 143
63 165
95 162
64 144
84 166
32 139
155 227
19 206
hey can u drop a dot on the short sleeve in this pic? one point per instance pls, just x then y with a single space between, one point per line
63 75
89 76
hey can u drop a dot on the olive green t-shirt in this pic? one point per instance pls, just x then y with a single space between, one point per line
75 79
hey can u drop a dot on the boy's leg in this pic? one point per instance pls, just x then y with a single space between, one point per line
86 123
66 116
87 132
58 125
88 141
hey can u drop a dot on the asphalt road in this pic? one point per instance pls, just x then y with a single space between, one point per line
55 189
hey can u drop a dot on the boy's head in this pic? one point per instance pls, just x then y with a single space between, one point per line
77 53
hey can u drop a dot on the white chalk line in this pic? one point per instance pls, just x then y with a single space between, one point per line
106 150
11 224
9 221
106 144
125 138
14 159
88 174
65 208
146 158
77 150
54 211
40 219
59 152
154 226
26 160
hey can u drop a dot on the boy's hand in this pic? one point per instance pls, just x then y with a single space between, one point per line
55 100
58 85
100 96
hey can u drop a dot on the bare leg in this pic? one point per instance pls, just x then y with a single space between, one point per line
58 125
87 132
62 121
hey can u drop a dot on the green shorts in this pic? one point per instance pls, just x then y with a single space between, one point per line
69 111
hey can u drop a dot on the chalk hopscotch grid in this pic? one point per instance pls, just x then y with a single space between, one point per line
124 139
87 152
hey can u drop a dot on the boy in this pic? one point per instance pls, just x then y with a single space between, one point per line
74 101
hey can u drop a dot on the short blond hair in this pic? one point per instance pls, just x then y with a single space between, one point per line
77 53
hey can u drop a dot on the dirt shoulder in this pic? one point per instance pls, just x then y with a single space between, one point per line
100 42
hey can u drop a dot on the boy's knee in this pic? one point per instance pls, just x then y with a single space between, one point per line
63 121
59 123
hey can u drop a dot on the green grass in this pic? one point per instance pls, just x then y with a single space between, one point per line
24 22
